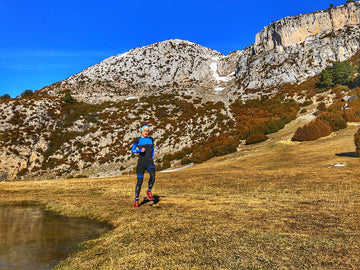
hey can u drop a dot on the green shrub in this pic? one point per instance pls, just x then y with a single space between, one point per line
326 80
68 98
27 93
6 96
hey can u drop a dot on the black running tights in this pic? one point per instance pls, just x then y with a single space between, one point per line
140 181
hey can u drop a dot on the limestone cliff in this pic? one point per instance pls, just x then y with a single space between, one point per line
295 48
290 30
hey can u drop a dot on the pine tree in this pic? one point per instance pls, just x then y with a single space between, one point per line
343 72
326 78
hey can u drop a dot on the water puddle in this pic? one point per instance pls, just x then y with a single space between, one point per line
32 238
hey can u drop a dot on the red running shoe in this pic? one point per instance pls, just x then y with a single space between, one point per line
136 205
149 195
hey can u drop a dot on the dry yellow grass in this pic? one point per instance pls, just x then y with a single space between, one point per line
274 205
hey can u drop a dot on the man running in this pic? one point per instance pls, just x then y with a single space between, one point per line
144 145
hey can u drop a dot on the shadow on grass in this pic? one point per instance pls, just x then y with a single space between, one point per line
155 201
347 154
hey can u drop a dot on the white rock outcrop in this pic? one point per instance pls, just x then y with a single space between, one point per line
295 48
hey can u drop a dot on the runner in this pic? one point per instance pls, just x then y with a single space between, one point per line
144 145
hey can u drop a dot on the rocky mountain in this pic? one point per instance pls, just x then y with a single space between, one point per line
167 65
287 51
295 48
198 102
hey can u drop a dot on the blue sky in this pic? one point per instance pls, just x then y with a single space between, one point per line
46 41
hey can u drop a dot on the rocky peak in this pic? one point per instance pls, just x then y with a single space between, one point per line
295 48
169 64
291 30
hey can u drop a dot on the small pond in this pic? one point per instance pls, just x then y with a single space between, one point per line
33 238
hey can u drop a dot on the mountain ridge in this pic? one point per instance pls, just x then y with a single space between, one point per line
199 103
168 64
289 50
296 48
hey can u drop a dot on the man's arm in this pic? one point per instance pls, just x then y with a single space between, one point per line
134 149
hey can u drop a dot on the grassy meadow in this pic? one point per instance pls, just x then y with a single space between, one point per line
273 205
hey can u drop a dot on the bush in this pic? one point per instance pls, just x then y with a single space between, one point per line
27 93
357 143
186 160
201 154
223 144
326 80
306 103
343 72
307 133
256 138
323 126
321 107
352 114
164 165
68 98
6 96
335 120
313 130
274 126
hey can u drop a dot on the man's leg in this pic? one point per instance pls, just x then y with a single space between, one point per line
151 170
140 169
152 178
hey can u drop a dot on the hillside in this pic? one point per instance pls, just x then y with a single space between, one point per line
198 102
277 204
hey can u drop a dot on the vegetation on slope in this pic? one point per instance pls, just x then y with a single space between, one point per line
189 127
81 136
357 143
341 79
269 206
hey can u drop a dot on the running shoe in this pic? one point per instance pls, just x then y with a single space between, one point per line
149 195
136 205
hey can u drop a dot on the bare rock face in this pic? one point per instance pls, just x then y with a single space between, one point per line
290 30
296 48
171 63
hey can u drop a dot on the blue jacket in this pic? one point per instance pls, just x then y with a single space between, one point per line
147 143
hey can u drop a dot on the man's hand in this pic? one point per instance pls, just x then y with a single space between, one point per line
142 150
